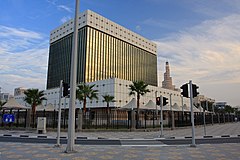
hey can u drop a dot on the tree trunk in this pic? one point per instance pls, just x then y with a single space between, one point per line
33 115
138 104
84 105
84 112
108 120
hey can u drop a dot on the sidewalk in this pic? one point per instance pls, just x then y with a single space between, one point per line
37 151
24 151
216 130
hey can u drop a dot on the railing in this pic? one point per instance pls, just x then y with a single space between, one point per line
117 119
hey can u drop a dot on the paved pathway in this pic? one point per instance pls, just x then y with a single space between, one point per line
232 129
24 151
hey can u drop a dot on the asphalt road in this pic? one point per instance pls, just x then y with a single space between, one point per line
134 142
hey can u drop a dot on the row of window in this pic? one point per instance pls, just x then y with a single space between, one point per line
111 57
100 56
71 22
124 32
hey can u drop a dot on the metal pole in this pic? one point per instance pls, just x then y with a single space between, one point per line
161 121
59 115
204 122
156 104
71 121
172 127
212 112
207 105
182 112
64 118
192 116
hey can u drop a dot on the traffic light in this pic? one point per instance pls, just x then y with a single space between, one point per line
158 101
65 89
165 101
194 90
184 90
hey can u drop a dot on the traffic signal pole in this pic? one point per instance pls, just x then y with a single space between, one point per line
59 115
161 121
192 115
172 117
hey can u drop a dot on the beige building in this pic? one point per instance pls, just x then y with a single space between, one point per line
167 82
106 50
19 91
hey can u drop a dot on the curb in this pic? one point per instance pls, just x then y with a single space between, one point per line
125 138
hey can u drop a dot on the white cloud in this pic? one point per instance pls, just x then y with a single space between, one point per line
64 7
65 19
138 28
210 8
18 32
208 53
53 2
24 56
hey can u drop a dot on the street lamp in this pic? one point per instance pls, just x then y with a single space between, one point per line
71 121
172 117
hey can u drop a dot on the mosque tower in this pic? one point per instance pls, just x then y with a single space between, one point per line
167 82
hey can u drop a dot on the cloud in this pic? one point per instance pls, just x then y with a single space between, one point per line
213 9
65 8
24 55
53 2
208 53
138 28
20 32
160 24
65 19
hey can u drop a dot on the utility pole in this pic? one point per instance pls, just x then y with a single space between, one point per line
71 120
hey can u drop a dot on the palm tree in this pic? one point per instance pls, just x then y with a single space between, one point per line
108 99
34 97
140 88
1 104
86 91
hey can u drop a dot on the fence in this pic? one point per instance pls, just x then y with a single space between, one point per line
117 119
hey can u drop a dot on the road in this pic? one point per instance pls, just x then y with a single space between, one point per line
133 142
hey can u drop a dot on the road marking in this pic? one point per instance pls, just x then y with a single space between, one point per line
144 145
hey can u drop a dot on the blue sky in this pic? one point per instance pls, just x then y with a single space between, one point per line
200 39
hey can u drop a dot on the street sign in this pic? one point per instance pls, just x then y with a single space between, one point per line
8 118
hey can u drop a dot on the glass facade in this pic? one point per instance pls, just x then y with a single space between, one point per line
100 56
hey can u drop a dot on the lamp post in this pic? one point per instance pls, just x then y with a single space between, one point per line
172 117
71 121
59 115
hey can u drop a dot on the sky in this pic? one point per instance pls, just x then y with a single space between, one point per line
200 39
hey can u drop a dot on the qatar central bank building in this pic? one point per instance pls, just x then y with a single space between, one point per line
105 50
109 56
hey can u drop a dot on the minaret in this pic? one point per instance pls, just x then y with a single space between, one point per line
167 82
